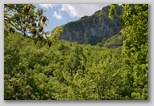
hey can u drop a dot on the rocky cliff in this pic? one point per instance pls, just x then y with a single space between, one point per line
92 29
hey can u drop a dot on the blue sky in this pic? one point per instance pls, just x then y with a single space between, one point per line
60 14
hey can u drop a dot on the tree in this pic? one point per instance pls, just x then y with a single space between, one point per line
25 18
135 48
54 35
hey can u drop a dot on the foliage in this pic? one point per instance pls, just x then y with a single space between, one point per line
112 11
26 19
65 71
55 33
135 48
114 41
71 71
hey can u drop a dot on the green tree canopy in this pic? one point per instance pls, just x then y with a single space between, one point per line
135 48
25 18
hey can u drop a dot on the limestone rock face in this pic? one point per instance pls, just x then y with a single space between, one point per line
92 29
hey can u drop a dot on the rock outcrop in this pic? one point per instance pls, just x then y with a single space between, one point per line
92 29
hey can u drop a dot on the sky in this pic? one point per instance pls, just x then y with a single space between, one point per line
60 14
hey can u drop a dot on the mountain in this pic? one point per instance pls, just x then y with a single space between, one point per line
92 29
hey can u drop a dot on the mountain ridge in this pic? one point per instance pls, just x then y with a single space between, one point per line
92 29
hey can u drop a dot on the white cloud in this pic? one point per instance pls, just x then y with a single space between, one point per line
69 9
79 10
56 15
76 10
48 5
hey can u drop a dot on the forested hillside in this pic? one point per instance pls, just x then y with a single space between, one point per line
46 68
